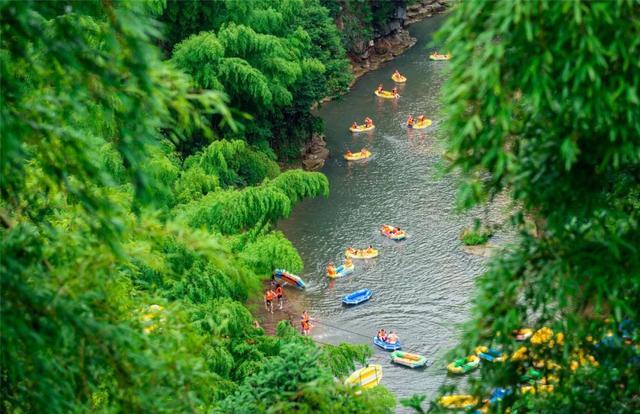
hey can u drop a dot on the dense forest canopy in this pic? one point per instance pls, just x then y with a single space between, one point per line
543 104
136 220
273 59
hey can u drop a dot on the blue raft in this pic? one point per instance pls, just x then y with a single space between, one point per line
492 355
386 345
357 297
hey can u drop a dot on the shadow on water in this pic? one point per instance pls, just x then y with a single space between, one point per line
422 286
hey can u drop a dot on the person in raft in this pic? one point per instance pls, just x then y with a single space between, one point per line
368 122
370 250
280 295
363 150
347 262
269 296
382 335
349 153
354 125
421 119
305 322
392 338
395 91
331 269
410 121
380 88
397 74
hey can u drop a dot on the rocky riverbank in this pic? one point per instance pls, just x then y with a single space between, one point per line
393 39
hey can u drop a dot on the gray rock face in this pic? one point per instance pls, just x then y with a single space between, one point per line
314 153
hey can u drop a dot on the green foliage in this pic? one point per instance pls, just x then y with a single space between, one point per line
274 60
476 235
296 381
108 304
542 103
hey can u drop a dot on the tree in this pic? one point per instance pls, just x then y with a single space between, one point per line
110 303
543 104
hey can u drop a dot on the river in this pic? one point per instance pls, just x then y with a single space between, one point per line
422 286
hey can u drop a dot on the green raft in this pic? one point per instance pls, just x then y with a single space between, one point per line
408 360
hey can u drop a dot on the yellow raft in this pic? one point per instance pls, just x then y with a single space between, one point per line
362 128
458 402
386 94
438 56
398 79
361 253
421 125
355 156
367 377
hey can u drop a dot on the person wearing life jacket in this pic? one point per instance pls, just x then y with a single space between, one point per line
410 121
347 262
349 153
370 249
380 88
394 91
269 296
392 338
305 323
382 335
331 269
279 294
354 125
368 122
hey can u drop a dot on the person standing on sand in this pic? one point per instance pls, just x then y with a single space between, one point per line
280 295
269 296
305 322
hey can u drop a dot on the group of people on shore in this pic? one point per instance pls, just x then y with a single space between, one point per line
276 293
270 295
390 338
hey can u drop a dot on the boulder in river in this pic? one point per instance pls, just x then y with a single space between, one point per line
315 153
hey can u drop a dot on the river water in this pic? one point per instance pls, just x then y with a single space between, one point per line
422 286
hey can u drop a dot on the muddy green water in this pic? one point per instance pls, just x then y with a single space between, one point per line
422 286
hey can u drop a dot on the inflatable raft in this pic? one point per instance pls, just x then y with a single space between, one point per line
464 365
398 78
362 128
367 377
420 125
361 253
490 354
438 56
286 277
458 402
392 232
355 156
342 271
386 95
386 345
408 360
357 297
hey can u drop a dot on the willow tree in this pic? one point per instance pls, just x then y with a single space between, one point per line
543 104
108 304
274 60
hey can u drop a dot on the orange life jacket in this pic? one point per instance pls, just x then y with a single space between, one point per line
279 291
270 295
